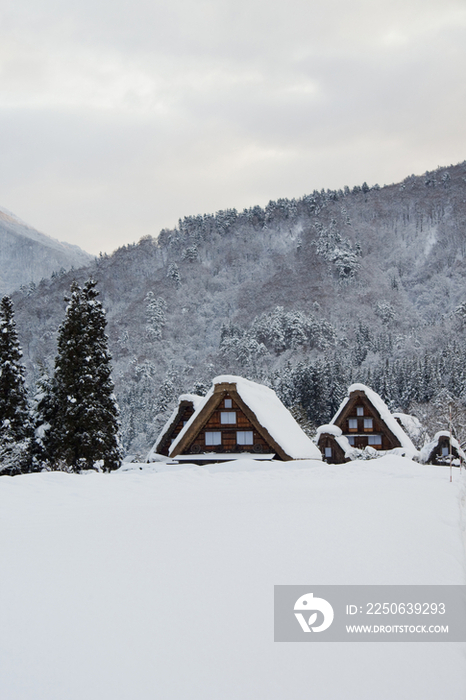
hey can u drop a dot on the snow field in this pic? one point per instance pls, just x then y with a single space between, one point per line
158 583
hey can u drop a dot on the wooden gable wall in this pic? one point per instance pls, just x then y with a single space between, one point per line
359 435
228 431
326 440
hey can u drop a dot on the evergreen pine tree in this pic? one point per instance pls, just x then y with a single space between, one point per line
155 314
15 421
43 416
82 412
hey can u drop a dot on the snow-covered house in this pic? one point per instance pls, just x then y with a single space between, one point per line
365 422
334 446
240 418
438 451
187 404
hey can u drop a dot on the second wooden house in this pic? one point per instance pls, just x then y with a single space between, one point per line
364 421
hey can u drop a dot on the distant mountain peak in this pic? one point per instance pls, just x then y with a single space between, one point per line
6 215
27 255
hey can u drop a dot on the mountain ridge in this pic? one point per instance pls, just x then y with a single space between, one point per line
334 284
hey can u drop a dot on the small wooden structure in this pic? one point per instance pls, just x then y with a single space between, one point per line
240 418
438 451
187 404
333 445
365 421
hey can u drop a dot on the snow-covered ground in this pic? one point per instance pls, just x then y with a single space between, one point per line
158 583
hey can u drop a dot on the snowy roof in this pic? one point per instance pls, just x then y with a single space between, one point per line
329 429
271 414
192 398
411 425
382 408
427 449
350 451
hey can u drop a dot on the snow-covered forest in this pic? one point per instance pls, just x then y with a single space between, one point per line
306 295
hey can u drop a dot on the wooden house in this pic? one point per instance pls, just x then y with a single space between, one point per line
365 421
187 404
240 418
438 451
334 446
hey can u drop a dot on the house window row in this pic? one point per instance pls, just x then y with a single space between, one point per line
353 424
375 440
243 437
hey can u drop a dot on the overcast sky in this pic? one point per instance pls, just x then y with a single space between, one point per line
118 117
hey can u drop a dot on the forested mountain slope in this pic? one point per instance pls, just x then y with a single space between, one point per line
26 255
307 295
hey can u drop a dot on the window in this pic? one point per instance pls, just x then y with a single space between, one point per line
227 403
368 424
445 451
213 437
375 439
244 437
351 439
227 417
359 410
328 451
353 424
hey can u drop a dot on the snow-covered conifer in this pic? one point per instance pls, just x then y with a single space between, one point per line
15 422
84 432
44 415
155 314
191 254
173 273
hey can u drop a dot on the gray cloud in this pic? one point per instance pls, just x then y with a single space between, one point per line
116 118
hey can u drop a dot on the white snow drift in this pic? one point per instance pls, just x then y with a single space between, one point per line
158 583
